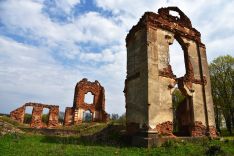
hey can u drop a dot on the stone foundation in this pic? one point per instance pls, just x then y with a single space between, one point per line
132 128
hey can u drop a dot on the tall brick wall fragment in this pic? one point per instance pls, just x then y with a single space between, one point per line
18 114
74 115
150 80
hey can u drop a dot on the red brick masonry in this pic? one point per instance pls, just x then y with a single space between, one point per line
36 121
97 108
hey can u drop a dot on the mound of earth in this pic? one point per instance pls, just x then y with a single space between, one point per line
7 128
112 135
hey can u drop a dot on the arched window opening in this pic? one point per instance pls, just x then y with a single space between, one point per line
176 59
174 13
89 98
45 116
28 114
87 116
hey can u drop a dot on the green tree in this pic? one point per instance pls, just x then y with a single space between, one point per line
222 82
177 99
45 118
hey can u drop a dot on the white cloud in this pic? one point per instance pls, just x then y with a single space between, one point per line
106 55
98 29
32 75
35 25
32 72
66 5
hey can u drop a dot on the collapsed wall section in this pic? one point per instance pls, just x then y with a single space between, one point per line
36 120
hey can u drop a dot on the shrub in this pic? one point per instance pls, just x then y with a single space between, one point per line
214 150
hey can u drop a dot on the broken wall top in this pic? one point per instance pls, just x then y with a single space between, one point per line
84 86
40 105
178 25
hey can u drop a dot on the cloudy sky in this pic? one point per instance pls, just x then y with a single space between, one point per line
46 47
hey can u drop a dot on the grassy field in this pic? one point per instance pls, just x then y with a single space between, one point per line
102 139
26 145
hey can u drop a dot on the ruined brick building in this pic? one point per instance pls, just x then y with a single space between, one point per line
75 114
36 121
150 80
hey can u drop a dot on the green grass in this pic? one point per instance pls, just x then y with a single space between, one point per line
26 145
87 127
103 139
83 126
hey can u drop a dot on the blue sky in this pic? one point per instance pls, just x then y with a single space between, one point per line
46 47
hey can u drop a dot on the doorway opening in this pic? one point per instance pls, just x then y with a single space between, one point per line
183 118
87 116
28 115
45 116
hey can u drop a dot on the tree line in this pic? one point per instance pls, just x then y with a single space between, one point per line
222 86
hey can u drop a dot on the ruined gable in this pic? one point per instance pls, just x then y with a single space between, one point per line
150 80
75 114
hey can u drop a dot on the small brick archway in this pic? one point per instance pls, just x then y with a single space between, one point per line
74 115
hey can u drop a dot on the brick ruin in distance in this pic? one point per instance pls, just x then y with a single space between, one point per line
36 121
150 80
73 115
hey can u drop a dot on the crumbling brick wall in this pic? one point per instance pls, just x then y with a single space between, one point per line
53 116
18 114
36 121
97 108
165 128
68 117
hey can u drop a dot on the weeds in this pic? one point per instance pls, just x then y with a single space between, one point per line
168 144
214 150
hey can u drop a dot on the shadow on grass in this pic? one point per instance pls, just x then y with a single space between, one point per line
109 136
